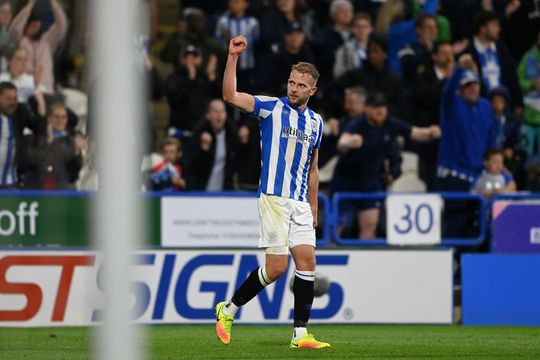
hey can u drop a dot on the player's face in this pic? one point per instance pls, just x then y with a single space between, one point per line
494 164
377 114
300 88
170 153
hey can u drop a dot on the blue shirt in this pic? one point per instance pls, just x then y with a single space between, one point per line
228 26
288 137
361 169
467 130
8 174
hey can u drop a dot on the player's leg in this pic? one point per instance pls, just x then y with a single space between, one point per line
302 243
368 219
274 219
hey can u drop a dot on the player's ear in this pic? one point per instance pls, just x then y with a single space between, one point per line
313 91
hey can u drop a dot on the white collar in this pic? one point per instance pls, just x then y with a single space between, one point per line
481 48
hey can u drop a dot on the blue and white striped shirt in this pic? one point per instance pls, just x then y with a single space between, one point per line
229 26
8 174
288 137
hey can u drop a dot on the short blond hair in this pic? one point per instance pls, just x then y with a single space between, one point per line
307 68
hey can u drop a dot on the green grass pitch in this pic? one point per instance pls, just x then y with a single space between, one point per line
272 342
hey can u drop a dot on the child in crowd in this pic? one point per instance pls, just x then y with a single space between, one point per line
168 175
494 178
236 22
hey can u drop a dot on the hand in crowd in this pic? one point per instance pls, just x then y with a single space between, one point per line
190 62
459 46
206 141
178 182
435 131
467 62
243 134
211 68
512 7
333 125
237 45
80 142
356 141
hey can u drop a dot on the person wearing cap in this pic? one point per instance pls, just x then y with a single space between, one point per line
26 30
190 88
468 131
293 49
364 145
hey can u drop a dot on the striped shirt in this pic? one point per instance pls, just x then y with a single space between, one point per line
229 26
288 137
8 174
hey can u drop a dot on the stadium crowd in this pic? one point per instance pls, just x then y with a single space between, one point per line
456 82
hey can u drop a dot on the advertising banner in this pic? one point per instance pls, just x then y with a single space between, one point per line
516 226
209 221
171 287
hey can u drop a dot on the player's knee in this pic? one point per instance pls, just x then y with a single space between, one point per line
275 271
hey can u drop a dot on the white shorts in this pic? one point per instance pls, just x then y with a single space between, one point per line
285 223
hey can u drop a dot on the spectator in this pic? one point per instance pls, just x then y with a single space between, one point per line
190 88
494 178
427 99
236 22
275 21
468 130
353 53
354 105
168 175
496 65
509 134
15 120
27 31
248 156
374 76
337 33
212 164
55 159
417 55
6 45
396 16
194 34
364 145
529 79
26 86
292 50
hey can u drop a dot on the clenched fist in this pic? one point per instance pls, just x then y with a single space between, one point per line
237 45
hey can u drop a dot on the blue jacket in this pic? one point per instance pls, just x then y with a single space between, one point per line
467 130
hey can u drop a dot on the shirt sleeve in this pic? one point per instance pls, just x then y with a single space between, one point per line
264 106
320 134
400 127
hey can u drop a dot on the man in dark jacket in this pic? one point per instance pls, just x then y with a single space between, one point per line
212 162
55 158
15 120
496 67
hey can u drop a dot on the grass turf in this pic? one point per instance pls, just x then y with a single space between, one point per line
272 342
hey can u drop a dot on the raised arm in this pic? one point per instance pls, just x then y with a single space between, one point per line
425 134
16 29
348 141
313 184
57 31
242 101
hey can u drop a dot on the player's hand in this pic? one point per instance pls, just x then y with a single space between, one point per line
237 45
